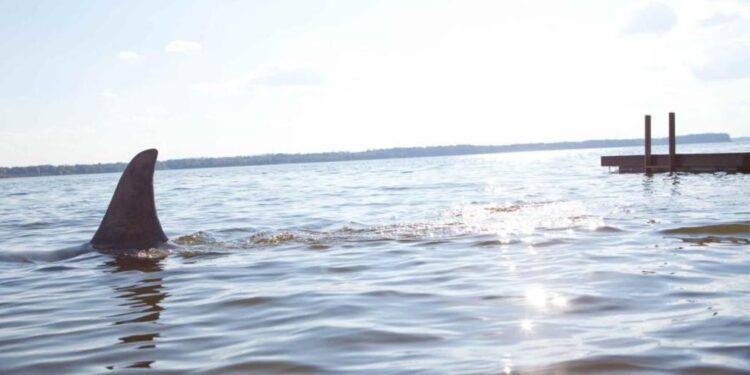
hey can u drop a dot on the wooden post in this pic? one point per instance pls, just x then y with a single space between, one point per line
647 144
672 143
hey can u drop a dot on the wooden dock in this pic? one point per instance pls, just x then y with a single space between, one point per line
673 162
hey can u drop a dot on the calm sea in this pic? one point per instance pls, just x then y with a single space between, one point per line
537 262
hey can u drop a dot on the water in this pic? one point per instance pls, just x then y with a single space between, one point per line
511 263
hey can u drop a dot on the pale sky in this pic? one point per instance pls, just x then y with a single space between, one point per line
98 81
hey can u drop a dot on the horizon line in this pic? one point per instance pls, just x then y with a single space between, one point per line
370 154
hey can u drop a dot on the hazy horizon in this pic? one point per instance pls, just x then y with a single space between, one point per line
87 82
657 140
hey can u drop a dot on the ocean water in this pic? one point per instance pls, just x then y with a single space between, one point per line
538 262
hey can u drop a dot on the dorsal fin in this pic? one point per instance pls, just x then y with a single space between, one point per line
131 221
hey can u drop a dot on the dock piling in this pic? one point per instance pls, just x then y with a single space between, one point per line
647 144
672 143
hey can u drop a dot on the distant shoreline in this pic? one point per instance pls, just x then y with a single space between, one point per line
390 153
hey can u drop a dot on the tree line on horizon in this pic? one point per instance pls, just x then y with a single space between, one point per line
390 153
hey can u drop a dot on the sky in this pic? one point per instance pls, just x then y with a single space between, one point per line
98 81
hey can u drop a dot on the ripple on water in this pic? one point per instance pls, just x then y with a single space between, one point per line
486 264
266 367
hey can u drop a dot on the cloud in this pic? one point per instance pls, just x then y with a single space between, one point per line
729 62
720 19
182 46
130 56
274 78
656 18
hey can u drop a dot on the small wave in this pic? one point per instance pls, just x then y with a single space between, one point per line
271 239
55 269
608 229
201 244
704 235
550 242
589 304
192 253
499 225
152 253
395 294
661 363
407 232
348 337
267 367
526 217
44 256
494 243
726 327
318 246
707 240
715 229
502 209
197 238
248 302
346 269
36 225
394 188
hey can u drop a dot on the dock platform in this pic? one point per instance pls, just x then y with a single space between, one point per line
738 162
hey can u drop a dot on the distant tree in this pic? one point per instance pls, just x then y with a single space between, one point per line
390 153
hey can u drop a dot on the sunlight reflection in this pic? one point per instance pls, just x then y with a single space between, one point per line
513 219
527 325
504 237
507 365
536 297
559 301
540 298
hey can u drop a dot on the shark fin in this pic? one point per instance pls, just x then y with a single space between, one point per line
131 221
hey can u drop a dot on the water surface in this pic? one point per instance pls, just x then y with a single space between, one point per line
537 262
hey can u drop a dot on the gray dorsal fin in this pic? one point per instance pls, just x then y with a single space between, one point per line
131 221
